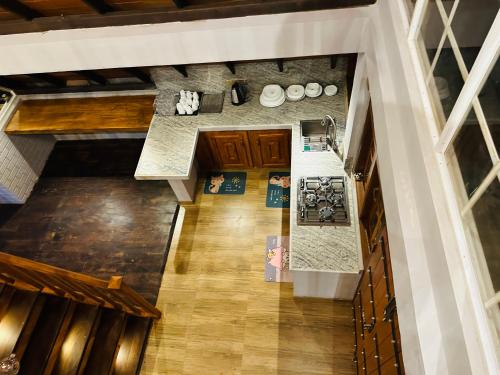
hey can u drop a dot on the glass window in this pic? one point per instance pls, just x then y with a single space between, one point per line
468 158
486 213
470 25
431 31
490 103
448 81
411 7
473 150
448 5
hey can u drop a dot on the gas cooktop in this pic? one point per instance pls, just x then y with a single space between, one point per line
323 201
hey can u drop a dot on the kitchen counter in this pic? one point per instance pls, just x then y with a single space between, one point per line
170 145
316 248
169 153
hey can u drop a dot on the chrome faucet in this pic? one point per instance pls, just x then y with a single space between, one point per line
328 121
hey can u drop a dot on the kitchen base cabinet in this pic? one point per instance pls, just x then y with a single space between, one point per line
270 148
231 149
243 149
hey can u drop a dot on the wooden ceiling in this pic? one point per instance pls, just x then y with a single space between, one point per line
80 81
22 16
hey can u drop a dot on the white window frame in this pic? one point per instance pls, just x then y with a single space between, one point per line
484 297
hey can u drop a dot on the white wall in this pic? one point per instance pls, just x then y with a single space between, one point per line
356 116
248 38
438 330
22 159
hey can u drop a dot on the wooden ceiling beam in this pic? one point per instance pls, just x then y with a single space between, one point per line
190 13
100 6
333 62
10 83
86 88
91 75
139 73
48 78
231 67
181 3
280 63
16 7
181 69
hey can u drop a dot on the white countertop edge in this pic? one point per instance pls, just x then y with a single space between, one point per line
140 176
325 271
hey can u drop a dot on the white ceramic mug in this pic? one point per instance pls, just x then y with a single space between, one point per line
180 109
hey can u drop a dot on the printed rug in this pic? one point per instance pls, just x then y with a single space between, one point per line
225 183
278 190
277 260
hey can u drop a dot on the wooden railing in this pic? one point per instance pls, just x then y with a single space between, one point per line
29 275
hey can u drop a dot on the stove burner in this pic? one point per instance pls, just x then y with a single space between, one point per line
335 199
324 183
326 213
311 200
323 201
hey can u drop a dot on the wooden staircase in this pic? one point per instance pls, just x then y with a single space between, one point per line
64 323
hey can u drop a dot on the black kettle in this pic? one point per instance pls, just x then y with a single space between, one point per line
239 93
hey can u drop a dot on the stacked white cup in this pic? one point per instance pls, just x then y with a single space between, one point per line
189 102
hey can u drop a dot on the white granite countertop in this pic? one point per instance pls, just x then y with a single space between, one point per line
170 145
169 152
316 248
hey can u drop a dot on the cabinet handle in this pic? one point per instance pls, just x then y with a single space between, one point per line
258 142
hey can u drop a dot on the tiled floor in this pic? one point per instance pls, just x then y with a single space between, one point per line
221 317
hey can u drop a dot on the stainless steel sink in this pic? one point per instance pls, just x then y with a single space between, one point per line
315 135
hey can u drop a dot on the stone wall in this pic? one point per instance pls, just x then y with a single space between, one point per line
22 159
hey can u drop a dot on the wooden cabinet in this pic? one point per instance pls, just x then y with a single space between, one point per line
270 148
224 150
378 342
231 149
243 149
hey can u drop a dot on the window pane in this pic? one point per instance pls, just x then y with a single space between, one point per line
490 103
448 81
411 7
468 158
471 23
486 213
448 5
431 31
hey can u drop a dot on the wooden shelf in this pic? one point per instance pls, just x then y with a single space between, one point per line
83 115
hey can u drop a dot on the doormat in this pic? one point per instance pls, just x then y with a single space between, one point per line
277 260
225 183
278 190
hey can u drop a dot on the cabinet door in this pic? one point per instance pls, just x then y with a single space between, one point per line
231 149
271 148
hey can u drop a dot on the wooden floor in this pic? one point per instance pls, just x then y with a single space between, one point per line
83 115
221 317
94 158
103 226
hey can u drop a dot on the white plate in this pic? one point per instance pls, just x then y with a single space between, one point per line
311 94
272 92
295 93
272 103
331 90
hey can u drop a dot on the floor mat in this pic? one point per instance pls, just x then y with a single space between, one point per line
278 190
225 183
277 259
